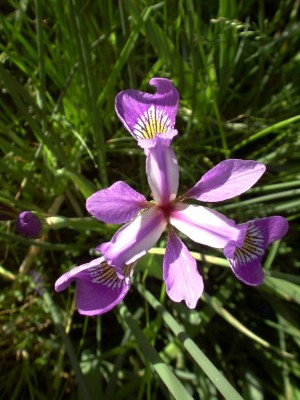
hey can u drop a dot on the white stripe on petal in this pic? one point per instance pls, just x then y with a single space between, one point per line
134 239
203 225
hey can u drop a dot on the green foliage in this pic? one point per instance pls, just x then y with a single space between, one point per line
236 66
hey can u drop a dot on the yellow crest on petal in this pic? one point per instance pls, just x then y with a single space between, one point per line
152 122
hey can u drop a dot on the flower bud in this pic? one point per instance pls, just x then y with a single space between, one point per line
28 225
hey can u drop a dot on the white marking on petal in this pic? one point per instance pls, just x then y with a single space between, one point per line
153 121
106 275
253 246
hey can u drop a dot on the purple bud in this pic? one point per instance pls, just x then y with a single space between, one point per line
28 225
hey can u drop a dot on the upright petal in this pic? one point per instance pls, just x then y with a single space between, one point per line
183 281
245 254
98 287
144 114
227 179
134 239
203 225
162 172
117 204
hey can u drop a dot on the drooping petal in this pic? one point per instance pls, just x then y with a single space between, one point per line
117 204
228 179
143 114
162 172
203 225
245 254
98 287
180 273
28 225
134 239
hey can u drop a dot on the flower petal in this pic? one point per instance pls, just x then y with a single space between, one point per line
98 287
228 179
144 114
162 172
134 239
203 225
183 281
245 254
117 204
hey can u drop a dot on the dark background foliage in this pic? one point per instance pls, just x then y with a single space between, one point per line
236 66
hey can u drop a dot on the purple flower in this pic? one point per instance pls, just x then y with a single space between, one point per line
146 221
245 253
145 115
99 287
28 225
104 282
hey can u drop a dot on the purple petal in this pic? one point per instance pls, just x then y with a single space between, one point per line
98 287
162 172
245 254
144 114
117 204
227 179
276 226
203 225
250 272
134 239
28 225
183 281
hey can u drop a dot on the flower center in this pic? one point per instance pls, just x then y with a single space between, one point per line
167 209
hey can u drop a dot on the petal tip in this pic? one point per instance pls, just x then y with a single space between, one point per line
61 284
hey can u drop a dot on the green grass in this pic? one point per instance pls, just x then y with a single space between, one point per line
236 66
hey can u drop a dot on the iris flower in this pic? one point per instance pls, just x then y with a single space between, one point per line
103 283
